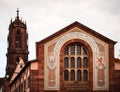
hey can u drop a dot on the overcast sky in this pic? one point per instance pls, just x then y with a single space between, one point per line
45 17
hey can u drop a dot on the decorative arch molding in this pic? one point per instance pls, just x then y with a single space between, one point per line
55 59
76 35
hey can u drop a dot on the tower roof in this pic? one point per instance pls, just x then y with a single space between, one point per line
17 12
17 22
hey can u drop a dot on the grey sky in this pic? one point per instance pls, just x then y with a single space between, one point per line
44 17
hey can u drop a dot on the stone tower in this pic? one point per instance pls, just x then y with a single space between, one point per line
17 44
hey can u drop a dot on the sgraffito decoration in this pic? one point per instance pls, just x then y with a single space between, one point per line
100 75
52 60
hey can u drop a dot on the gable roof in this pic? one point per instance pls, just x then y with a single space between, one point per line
81 26
23 70
18 68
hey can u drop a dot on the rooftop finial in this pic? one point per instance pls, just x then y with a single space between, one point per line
17 12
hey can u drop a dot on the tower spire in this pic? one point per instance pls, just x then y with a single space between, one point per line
17 12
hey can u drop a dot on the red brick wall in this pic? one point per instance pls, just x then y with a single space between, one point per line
113 85
34 81
40 56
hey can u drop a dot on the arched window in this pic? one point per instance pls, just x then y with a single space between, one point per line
66 75
78 75
66 64
85 62
84 51
72 75
76 61
66 51
85 75
18 39
78 49
72 62
72 49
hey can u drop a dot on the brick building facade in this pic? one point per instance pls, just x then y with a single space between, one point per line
74 59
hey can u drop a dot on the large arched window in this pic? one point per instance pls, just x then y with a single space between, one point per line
76 62
18 39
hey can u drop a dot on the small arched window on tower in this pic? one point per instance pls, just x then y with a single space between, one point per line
18 39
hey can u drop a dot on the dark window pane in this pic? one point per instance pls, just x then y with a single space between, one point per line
78 75
72 75
78 62
72 49
85 75
18 39
85 62
66 75
66 62
78 49
72 62
84 51
66 51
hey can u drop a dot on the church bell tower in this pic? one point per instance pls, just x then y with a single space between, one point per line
17 44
